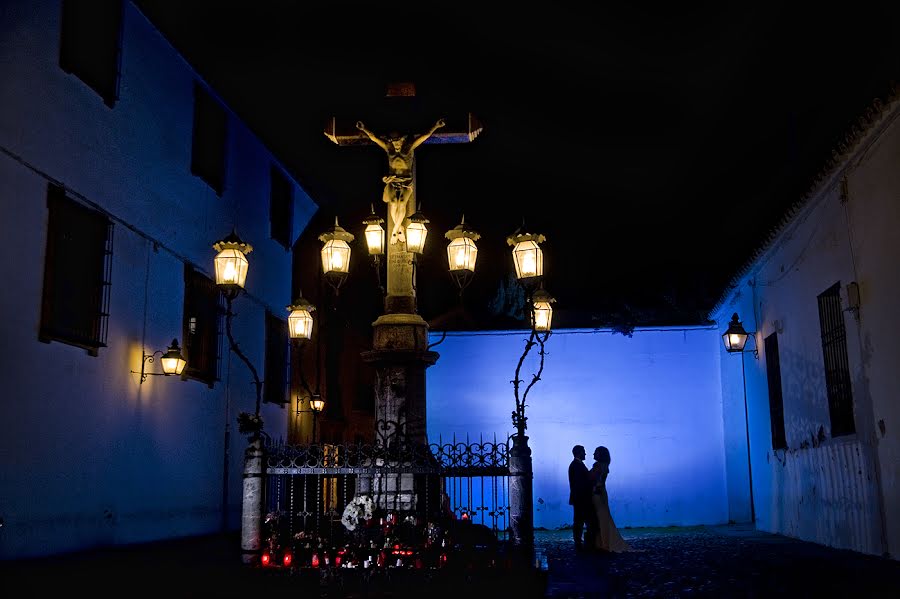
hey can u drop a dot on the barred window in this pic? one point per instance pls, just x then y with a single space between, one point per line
77 269
90 44
837 369
201 326
275 387
209 139
281 208
776 400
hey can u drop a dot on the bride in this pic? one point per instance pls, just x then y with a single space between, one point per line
608 537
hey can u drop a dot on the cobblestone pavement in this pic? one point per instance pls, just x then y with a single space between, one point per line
727 561
671 562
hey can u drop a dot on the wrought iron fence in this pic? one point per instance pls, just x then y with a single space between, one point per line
308 487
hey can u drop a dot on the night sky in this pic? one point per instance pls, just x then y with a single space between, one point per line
653 146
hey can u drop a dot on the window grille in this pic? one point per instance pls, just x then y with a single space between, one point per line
281 208
77 274
90 44
201 326
209 139
776 400
275 387
837 370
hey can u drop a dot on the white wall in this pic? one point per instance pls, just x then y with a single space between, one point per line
837 491
89 455
653 399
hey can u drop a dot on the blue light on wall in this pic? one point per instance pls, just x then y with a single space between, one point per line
653 399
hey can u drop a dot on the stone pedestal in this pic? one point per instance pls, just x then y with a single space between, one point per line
400 357
521 500
251 510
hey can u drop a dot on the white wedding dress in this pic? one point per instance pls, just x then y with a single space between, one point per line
608 537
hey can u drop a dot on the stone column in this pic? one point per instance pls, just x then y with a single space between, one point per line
521 500
400 357
251 508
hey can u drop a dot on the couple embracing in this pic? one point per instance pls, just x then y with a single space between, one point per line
588 498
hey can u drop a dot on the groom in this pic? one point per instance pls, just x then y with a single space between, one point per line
580 500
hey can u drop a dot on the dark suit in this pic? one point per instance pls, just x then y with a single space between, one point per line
580 500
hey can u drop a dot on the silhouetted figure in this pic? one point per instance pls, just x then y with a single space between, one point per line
580 487
607 536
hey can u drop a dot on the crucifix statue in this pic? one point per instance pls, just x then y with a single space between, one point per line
400 193
398 184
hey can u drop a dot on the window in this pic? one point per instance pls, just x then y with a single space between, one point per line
77 267
776 401
837 370
281 208
208 144
275 387
200 326
89 44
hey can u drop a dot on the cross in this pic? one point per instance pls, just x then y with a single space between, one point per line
400 183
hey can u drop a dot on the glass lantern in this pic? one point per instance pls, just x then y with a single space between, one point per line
374 234
231 264
416 231
462 252
528 257
735 337
336 254
543 311
300 320
172 361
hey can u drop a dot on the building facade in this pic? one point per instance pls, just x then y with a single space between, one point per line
821 414
120 168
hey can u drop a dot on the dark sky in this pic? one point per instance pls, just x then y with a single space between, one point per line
654 146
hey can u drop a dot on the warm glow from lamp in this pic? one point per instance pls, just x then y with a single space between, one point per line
317 405
529 259
735 337
415 237
300 320
172 361
336 256
462 253
543 311
375 239
231 268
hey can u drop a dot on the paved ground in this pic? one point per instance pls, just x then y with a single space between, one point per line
671 562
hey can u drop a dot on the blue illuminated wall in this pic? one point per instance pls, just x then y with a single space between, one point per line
653 399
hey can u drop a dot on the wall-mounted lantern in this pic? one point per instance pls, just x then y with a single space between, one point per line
171 360
735 337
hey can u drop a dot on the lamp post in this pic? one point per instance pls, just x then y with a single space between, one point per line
231 268
528 259
300 326
734 339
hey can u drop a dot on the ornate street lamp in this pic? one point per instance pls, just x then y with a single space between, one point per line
527 255
374 234
317 404
172 361
543 311
416 231
462 253
231 264
336 254
735 337
300 320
